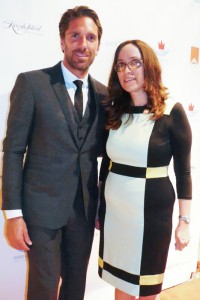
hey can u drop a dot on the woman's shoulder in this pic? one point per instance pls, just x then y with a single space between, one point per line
172 105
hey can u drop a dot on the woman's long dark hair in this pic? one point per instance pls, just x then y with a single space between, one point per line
119 101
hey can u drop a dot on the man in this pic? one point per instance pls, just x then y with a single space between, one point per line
50 162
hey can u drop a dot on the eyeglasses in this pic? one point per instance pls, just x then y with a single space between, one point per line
133 64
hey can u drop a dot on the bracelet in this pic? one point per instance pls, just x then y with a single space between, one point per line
187 219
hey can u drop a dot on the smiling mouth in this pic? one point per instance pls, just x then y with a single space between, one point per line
129 79
82 54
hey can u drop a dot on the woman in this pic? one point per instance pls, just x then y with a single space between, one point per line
146 129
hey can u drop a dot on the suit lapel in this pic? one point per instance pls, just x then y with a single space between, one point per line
94 97
58 84
90 119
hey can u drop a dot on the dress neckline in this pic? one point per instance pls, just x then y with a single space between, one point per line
137 109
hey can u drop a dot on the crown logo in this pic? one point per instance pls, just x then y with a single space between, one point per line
191 107
161 45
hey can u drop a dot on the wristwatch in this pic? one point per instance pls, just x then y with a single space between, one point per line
187 219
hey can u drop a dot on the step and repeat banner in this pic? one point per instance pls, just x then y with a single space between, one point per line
30 40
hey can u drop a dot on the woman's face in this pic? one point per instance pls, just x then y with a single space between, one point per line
132 77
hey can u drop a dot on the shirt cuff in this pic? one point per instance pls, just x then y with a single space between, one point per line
13 213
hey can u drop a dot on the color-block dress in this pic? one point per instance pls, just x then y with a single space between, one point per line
136 210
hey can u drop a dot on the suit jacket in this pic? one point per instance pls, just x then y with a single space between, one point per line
46 149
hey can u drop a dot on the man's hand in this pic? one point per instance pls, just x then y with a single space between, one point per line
17 234
97 224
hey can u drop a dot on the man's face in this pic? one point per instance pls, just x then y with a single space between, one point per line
80 45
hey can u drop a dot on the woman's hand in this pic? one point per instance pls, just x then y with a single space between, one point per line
182 235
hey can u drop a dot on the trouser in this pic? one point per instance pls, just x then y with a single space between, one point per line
60 256
59 253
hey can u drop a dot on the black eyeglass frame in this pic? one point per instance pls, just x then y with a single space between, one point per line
137 64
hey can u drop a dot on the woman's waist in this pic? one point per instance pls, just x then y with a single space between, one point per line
139 172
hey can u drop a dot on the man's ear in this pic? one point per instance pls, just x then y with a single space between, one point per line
62 45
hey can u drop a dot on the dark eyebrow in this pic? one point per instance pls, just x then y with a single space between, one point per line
131 58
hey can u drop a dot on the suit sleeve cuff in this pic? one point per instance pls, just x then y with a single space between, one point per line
13 213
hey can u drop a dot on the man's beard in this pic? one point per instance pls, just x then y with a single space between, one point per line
81 66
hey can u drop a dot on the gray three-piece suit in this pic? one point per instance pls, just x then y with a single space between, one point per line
50 164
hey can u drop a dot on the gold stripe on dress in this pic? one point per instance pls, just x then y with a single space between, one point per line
110 165
157 172
100 262
151 279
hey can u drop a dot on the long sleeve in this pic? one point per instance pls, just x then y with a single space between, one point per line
181 137
16 141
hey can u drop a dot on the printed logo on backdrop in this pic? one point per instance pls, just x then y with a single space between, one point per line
19 258
110 43
191 107
194 55
192 110
161 49
20 27
197 2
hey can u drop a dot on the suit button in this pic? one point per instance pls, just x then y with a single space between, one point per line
76 173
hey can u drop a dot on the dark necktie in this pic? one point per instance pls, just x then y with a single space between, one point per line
78 98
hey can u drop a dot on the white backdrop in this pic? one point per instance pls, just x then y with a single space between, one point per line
30 40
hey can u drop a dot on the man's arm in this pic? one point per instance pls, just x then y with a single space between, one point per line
19 126
14 147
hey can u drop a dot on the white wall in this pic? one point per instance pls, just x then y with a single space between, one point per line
29 40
